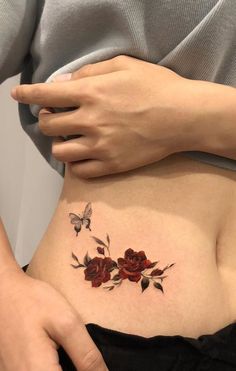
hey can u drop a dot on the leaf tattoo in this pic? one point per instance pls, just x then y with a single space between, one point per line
132 266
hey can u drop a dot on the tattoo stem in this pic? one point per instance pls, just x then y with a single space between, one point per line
153 277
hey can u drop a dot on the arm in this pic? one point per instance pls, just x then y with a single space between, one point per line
42 331
215 128
7 259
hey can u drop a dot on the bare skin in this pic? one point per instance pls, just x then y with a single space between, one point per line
35 319
177 211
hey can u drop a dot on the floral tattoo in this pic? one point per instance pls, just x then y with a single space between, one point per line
133 266
78 220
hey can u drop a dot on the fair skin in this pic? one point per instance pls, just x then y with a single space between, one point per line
31 342
132 113
162 109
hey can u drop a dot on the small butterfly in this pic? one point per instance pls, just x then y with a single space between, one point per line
78 220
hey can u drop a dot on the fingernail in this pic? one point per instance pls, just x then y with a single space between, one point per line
13 92
63 77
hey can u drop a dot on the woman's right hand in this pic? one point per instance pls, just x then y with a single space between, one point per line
35 320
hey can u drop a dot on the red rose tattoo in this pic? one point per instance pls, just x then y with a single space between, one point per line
98 270
133 266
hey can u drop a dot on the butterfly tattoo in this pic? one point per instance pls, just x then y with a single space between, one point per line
78 220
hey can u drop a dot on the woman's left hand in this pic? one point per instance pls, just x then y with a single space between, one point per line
129 113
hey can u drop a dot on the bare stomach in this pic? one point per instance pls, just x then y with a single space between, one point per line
166 260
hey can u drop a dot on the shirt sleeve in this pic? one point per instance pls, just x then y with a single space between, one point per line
17 26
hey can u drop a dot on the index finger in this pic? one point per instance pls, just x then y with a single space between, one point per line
80 348
61 94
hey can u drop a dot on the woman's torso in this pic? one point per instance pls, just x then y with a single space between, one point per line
177 211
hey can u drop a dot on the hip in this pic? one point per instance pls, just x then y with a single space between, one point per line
144 260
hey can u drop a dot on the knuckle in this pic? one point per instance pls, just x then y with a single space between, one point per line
92 123
114 164
68 322
103 147
87 91
43 125
90 118
56 152
92 360
85 70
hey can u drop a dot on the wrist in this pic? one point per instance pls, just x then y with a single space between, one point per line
211 120
188 128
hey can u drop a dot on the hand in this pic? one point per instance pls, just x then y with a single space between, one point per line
34 320
128 113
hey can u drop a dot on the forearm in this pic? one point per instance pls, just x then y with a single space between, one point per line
214 128
7 259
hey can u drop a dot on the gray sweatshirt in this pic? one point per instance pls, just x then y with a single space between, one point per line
43 38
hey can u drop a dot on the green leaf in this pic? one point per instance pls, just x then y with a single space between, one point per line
168 266
114 264
100 242
117 282
144 283
158 286
75 257
157 272
109 287
77 266
162 278
152 265
116 277
87 259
